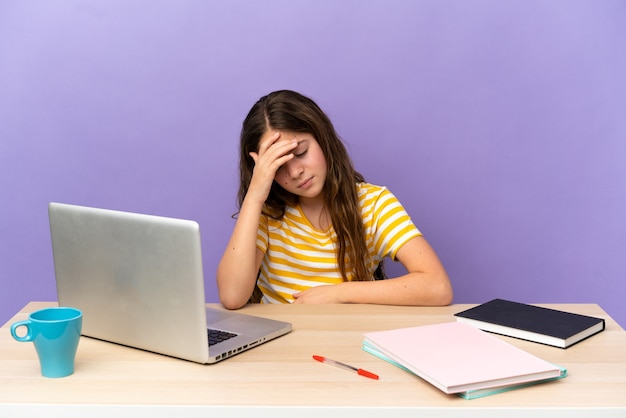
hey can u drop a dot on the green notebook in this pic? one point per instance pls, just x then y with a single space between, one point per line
471 394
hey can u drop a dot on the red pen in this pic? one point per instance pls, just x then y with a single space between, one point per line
346 367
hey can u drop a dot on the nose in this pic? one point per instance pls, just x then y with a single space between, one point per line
293 168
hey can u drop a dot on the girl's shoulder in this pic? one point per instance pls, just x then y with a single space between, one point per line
370 190
376 198
372 197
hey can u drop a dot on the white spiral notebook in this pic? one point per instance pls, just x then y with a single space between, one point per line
460 359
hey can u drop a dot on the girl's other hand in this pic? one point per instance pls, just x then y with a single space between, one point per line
320 294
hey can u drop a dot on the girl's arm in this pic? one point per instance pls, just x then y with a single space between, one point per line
239 266
425 284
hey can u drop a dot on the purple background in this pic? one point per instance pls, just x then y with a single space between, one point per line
501 125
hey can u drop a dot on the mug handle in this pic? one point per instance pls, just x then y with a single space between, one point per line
25 338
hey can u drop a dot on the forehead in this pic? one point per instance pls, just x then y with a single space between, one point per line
289 135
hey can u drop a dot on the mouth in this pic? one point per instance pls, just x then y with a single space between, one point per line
306 183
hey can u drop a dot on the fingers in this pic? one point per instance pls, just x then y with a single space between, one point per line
255 157
267 140
274 150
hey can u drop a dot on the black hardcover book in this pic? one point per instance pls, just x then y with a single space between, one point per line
533 323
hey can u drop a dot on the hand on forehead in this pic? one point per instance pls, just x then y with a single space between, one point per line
277 136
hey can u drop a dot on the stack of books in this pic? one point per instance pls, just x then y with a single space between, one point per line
460 358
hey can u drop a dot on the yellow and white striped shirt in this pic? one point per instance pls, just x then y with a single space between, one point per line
298 256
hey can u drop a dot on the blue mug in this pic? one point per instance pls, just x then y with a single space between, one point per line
55 333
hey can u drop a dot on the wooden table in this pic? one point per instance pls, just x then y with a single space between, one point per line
280 379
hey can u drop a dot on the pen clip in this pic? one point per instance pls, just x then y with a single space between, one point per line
367 374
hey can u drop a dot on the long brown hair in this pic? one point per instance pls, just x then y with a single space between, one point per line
287 110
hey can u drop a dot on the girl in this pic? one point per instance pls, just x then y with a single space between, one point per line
309 228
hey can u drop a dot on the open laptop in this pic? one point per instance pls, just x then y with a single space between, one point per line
138 280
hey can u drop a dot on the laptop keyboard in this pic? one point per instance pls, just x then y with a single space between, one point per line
217 336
